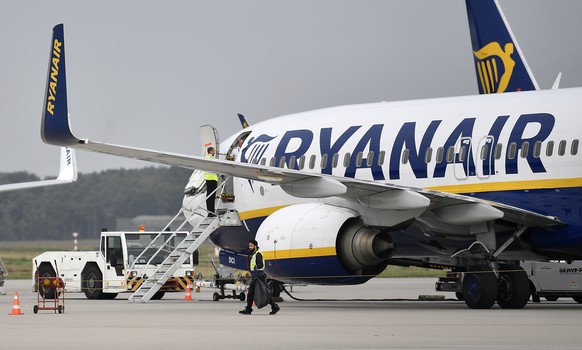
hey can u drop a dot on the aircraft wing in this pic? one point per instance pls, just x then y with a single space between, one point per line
67 174
316 185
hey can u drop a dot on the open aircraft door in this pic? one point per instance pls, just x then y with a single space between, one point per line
209 138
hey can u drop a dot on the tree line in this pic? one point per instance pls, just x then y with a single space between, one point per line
93 202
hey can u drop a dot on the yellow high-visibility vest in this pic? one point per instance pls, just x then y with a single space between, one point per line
207 175
254 261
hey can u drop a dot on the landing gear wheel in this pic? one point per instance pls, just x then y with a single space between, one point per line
242 297
92 284
61 309
35 309
479 287
513 291
215 296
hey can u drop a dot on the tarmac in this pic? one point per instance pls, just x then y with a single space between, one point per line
387 315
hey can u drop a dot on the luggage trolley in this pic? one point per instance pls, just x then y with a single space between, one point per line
50 293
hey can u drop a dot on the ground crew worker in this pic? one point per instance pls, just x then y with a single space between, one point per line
211 184
257 266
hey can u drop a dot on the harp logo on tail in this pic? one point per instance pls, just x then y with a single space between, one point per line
494 66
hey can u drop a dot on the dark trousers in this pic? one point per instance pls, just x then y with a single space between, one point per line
211 196
251 295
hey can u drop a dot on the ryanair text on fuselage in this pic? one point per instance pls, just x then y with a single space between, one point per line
294 144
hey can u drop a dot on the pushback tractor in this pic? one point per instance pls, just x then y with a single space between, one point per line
124 261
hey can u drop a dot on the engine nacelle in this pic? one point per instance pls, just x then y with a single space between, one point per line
322 244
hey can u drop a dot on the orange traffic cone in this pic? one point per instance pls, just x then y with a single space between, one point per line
16 306
188 295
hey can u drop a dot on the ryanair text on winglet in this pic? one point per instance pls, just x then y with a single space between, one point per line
52 88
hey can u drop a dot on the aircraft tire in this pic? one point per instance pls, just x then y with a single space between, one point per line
513 291
479 287
92 284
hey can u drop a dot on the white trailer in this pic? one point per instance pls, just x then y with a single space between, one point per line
552 280
121 264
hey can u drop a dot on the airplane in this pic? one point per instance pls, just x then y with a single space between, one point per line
333 196
67 174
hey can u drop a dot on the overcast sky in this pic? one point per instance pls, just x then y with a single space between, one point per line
149 73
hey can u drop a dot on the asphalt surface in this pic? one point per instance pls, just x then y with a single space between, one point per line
387 316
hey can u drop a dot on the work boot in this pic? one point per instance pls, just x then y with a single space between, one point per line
274 310
245 311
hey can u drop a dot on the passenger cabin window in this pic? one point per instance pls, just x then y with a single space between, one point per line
312 161
381 158
484 151
405 156
550 148
359 157
334 160
292 162
324 160
524 149
562 148
574 148
537 149
439 155
302 162
462 153
451 154
347 157
428 155
511 150
498 150
370 159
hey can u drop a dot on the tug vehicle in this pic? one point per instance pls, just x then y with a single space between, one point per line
122 264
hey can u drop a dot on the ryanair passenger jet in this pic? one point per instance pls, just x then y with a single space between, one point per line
474 184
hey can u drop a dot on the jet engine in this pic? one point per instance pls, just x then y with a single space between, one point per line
323 244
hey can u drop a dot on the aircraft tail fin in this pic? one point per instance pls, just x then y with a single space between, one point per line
243 121
55 119
500 66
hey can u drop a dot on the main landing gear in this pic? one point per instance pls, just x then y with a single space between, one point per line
482 287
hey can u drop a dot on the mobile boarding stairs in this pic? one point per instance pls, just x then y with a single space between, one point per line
203 226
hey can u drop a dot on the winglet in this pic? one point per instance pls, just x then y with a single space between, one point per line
556 85
55 128
67 174
68 169
499 63
243 121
